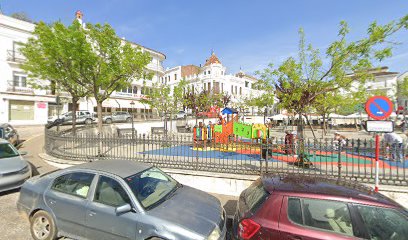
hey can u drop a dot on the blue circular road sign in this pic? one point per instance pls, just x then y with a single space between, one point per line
379 107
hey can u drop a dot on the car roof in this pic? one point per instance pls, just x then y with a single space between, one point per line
121 168
319 185
2 140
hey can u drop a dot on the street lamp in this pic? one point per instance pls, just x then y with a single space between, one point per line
133 128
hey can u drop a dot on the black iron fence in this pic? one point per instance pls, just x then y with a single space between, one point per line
352 159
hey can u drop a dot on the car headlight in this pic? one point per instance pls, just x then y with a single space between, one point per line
24 170
215 234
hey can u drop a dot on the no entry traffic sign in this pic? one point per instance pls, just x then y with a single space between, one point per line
379 107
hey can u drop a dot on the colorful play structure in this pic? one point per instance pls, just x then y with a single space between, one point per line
228 132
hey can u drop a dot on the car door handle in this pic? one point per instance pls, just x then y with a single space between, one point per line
91 213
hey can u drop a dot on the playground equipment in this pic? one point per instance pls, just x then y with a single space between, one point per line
234 136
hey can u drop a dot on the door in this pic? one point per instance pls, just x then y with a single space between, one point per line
101 219
312 219
67 199
21 110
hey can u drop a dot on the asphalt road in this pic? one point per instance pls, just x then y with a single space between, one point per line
14 225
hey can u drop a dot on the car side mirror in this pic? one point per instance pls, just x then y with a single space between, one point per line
22 153
123 209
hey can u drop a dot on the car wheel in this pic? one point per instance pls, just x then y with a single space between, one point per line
108 121
88 121
128 120
43 226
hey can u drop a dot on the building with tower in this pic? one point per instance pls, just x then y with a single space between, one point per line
212 76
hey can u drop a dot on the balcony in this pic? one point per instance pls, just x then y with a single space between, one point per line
15 56
13 86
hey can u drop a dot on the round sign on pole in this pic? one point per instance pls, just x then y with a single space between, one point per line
379 107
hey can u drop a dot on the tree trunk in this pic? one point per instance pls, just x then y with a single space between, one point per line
99 109
74 110
311 127
324 126
300 130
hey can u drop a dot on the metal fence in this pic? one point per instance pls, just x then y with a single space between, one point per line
353 159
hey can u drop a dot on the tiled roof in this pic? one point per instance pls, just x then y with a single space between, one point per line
212 60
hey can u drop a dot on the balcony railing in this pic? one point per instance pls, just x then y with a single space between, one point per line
13 86
15 56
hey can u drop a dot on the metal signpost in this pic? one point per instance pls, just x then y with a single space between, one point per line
378 108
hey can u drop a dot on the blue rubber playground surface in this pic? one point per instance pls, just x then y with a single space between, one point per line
189 152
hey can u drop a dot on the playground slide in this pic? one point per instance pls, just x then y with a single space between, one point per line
227 130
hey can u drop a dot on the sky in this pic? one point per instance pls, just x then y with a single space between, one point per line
244 34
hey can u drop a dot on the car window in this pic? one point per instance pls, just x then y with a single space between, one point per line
383 223
110 192
151 186
255 195
76 184
325 215
7 151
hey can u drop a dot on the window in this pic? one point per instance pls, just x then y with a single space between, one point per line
110 192
222 87
236 91
19 79
134 90
240 90
246 84
255 196
175 76
205 72
232 89
76 184
222 72
151 186
384 223
7 150
326 215
209 72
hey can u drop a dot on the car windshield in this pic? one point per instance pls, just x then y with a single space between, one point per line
7 150
152 186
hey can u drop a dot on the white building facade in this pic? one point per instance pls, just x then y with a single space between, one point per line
20 104
212 77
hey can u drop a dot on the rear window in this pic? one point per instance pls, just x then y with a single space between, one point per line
255 195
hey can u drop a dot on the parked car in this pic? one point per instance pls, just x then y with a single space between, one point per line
117 117
302 207
14 170
9 133
82 117
181 115
118 200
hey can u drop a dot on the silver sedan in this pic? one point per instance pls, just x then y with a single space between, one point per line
118 200
14 170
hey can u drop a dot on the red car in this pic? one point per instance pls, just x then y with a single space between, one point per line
302 207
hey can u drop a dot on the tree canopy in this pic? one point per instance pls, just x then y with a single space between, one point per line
298 82
92 59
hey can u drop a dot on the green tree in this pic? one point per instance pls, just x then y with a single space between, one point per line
109 63
22 16
402 88
300 81
54 58
166 101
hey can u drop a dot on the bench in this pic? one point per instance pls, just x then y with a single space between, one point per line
157 130
125 131
183 129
